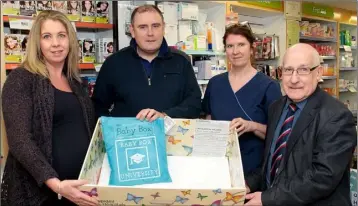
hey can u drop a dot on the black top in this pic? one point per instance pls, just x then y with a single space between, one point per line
69 136
123 81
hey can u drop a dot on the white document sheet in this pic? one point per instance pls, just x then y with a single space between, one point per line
211 138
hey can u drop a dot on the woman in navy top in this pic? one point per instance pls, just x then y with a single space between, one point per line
242 96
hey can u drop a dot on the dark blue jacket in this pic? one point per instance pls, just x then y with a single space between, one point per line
123 81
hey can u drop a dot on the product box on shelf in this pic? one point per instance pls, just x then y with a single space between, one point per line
43 6
60 6
102 12
197 144
27 8
198 41
188 11
88 84
169 10
104 48
10 7
88 11
88 51
12 44
74 10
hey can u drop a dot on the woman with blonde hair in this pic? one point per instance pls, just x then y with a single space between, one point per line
48 118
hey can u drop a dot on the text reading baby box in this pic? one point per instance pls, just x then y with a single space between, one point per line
138 154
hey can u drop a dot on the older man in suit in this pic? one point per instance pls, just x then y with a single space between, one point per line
310 141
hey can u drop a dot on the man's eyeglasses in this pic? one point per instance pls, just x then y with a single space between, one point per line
300 71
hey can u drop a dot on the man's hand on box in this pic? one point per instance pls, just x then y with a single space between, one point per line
254 199
149 115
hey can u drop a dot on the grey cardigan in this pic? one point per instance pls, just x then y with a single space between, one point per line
28 108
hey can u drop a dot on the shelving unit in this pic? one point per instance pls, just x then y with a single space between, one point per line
265 23
91 30
204 53
348 69
317 39
325 42
79 25
83 29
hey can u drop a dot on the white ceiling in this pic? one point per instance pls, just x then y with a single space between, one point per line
343 4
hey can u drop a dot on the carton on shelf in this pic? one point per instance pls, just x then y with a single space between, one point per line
104 48
27 8
74 10
12 44
88 51
10 8
180 144
88 11
102 8
188 11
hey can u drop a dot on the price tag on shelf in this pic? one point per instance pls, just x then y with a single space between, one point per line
22 24
97 67
351 89
347 48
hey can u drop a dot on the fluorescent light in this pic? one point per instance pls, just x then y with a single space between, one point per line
353 18
336 15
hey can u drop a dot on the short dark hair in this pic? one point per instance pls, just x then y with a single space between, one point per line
146 8
238 29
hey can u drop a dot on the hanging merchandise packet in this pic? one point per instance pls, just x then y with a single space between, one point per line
136 151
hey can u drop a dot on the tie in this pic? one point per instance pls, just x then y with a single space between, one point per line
280 144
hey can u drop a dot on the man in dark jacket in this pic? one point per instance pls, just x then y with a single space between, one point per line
147 79
310 141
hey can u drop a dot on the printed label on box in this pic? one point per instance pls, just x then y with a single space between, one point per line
136 153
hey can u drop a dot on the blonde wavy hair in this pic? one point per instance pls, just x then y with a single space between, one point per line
34 60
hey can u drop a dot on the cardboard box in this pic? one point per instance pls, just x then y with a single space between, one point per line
179 143
104 48
188 11
199 42
171 34
185 29
169 10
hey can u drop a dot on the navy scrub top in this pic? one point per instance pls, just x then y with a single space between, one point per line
254 97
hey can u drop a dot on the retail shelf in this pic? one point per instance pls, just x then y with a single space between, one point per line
328 57
328 77
343 90
310 38
84 25
352 47
204 53
348 69
200 81
82 66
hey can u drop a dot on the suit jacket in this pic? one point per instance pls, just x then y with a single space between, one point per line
315 169
28 106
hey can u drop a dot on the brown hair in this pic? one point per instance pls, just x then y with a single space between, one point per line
34 60
242 30
146 8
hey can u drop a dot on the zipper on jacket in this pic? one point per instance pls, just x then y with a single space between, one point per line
145 75
149 79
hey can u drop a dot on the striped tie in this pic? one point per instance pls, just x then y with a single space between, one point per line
280 145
